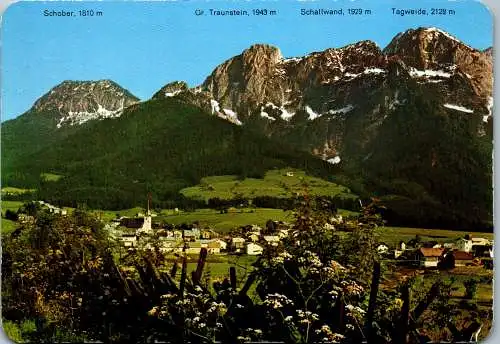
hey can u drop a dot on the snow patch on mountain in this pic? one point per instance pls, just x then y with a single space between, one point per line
343 110
373 71
231 116
293 59
429 73
312 115
285 114
334 160
78 118
227 114
434 30
490 110
215 106
367 71
264 114
458 108
172 94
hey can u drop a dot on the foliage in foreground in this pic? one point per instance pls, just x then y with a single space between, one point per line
316 286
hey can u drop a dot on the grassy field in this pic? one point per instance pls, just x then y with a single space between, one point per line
8 226
393 235
13 190
460 274
51 177
276 183
10 205
230 220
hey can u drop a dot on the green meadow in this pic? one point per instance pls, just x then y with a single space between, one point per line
282 183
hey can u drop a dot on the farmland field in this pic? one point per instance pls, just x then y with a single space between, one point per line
51 177
276 183
393 235
8 226
10 205
227 221
13 190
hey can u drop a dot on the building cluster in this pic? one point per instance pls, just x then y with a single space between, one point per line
141 233
465 251
52 208
25 218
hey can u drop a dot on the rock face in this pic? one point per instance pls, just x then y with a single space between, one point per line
434 49
412 120
329 94
172 89
76 102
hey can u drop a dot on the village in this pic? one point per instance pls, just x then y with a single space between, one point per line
140 232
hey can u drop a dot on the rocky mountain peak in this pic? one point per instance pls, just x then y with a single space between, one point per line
76 102
435 49
426 48
171 89
258 52
262 88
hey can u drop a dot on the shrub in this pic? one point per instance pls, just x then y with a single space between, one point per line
470 288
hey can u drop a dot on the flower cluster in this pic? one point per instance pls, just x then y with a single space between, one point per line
311 261
352 288
277 301
355 312
335 292
306 317
281 258
250 334
328 335
218 308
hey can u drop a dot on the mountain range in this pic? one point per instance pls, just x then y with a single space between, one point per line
410 124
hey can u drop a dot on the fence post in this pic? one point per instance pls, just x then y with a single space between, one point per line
422 306
232 276
173 271
183 277
196 275
402 329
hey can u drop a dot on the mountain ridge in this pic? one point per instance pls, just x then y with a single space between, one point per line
410 123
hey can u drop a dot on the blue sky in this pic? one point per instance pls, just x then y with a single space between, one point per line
144 45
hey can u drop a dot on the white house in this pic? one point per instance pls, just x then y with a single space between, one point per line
254 249
283 233
129 240
328 226
382 249
237 244
272 240
429 257
193 247
463 244
253 237
398 253
480 242
222 244
213 247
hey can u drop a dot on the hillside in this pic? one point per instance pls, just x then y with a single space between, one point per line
285 183
159 146
410 123
59 113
